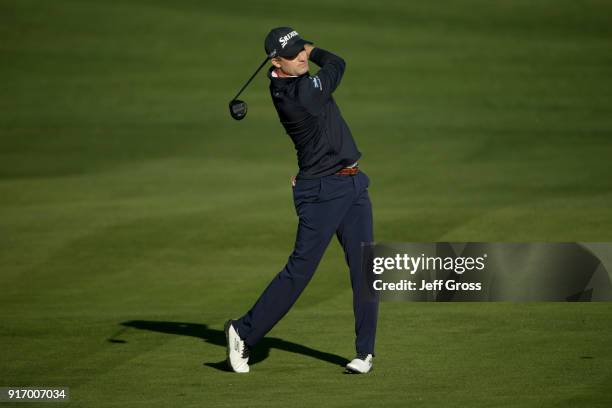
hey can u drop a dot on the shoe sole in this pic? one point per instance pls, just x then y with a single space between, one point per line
350 370
227 348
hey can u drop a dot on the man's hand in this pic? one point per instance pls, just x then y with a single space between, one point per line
308 48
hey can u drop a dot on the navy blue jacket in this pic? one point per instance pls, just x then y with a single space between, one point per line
312 119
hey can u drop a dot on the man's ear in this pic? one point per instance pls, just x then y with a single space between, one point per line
276 62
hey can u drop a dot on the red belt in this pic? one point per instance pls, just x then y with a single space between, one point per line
348 171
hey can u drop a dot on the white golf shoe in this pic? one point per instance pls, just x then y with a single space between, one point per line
361 364
237 350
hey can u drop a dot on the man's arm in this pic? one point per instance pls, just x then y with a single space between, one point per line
315 90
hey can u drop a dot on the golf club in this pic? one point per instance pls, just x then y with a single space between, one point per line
238 108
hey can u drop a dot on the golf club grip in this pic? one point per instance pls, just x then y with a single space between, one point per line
251 78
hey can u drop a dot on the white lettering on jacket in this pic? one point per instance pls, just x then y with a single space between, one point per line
316 82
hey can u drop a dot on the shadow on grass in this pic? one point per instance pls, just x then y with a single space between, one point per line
217 337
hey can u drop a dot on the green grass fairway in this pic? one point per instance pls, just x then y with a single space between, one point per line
136 216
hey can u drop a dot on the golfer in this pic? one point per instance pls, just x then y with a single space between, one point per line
330 193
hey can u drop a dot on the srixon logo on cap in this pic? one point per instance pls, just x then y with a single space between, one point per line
284 39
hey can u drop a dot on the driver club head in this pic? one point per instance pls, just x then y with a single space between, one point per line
238 109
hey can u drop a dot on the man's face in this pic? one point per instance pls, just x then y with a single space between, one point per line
296 65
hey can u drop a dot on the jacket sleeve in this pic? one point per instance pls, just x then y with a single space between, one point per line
315 90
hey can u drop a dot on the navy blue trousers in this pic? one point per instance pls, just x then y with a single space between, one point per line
326 206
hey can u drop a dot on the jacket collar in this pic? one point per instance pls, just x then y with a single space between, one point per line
278 82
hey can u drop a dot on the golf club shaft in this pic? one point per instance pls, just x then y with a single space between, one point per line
251 78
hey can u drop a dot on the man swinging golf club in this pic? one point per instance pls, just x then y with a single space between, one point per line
330 194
